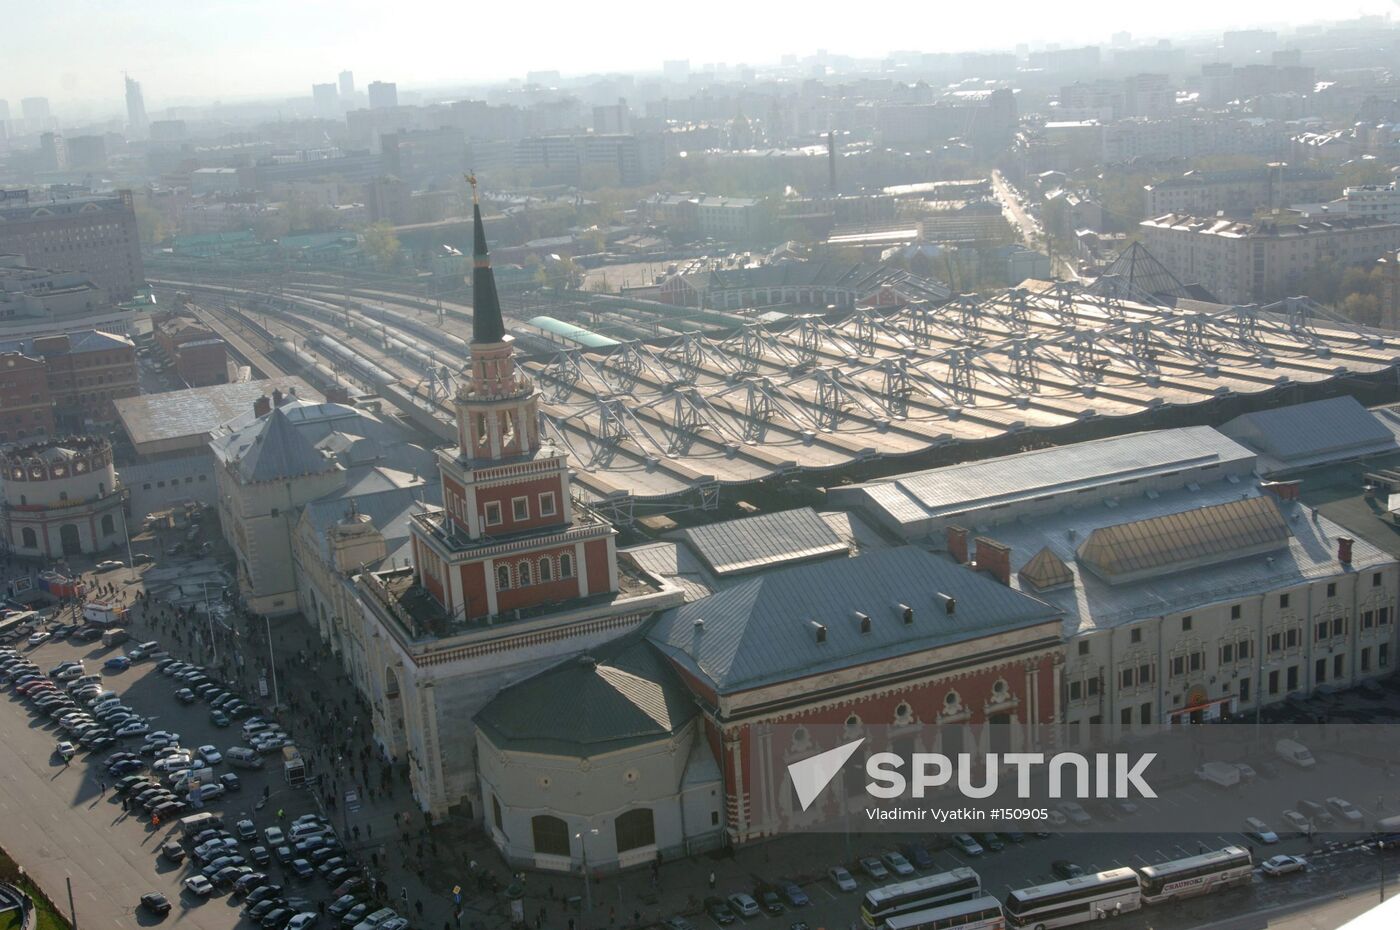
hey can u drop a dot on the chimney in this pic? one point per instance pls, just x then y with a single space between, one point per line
995 558
950 603
957 544
820 631
906 613
863 620
1284 490
262 406
1344 544
278 398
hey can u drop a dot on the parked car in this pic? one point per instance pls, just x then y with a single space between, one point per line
155 902
1297 822
1257 830
199 886
841 878
1063 868
744 905
793 894
1344 810
966 844
719 911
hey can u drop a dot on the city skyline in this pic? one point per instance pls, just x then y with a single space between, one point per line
180 63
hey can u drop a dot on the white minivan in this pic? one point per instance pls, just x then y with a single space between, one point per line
1295 753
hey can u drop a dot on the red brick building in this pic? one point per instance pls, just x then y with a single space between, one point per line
84 372
902 647
197 353
508 537
26 407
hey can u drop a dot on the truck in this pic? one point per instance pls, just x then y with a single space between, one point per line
1294 753
115 636
184 781
100 614
1223 774
293 768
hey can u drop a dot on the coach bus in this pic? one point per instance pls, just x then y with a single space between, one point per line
919 894
982 913
1195 875
1075 900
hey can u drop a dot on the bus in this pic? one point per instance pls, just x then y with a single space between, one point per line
919 894
1185 878
982 913
1075 900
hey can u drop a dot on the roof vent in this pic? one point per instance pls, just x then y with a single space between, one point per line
699 624
950 603
820 630
587 661
863 620
906 613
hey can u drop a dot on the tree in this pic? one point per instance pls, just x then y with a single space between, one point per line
381 244
1362 308
151 227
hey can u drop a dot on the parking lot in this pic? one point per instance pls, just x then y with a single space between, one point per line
73 822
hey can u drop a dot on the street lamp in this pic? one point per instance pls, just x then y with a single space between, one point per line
582 837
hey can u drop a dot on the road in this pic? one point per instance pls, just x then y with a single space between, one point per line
1011 207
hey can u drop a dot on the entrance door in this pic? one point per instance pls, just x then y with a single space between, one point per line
68 536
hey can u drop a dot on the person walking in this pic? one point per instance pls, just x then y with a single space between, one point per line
712 880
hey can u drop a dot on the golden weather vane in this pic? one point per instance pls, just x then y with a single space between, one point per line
471 179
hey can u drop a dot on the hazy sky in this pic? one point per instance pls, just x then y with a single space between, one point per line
194 50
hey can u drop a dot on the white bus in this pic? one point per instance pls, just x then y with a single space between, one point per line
920 894
982 913
1075 900
1185 878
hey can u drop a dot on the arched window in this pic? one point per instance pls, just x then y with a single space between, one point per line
566 566
546 569
502 578
109 526
522 571
635 828
31 539
551 835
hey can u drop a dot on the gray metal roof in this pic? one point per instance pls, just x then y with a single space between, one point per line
1314 433
953 489
1094 603
272 449
761 629
752 543
621 694
197 412
390 509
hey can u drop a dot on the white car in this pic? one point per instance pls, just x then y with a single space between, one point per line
211 755
110 565
1344 810
166 734
133 729
71 673
66 750
39 638
1256 829
1282 865
302 921
199 885
173 762
841 878
212 790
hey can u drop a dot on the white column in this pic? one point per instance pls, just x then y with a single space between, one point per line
612 559
454 585
581 568
490 568
469 503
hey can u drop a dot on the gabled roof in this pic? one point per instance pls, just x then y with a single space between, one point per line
787 536
1313 433
763 630
1046 570
622 694
1140 269
273 450
1174 542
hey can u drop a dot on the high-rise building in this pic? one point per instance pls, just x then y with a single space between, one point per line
347 83
53 153
325 98
137 123
382 95
4 119
37 116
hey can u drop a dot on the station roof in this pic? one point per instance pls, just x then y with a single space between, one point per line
1303 435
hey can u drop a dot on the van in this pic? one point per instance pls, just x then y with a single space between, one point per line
243 757
1222 774
1294 753
196 823
115 636
1315 812
251 728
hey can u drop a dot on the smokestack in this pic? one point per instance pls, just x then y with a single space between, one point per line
278 398
1284 490
831 158
957 544
262 406
994 558
1344 544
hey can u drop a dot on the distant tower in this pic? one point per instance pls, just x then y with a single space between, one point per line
137 123
347 83
831 159
382 95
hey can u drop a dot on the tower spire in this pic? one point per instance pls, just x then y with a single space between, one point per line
487 325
